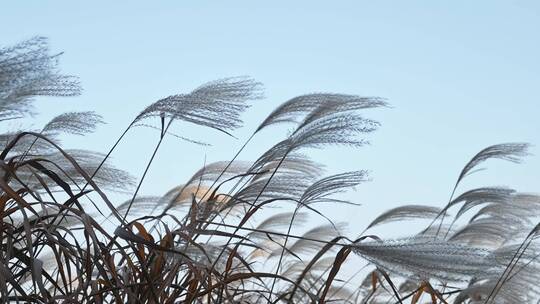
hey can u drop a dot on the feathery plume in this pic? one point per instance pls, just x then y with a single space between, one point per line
216 104
426 258
28 70
512 152
404 213
298 107
78 123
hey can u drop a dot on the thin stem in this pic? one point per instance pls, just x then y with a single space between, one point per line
162 136
276 233
283 248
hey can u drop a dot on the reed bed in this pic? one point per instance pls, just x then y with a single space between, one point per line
213 239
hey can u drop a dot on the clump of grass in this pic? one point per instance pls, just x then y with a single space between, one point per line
210 240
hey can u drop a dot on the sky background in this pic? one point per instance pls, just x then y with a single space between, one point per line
460 76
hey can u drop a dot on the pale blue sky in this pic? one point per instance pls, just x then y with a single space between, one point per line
460 75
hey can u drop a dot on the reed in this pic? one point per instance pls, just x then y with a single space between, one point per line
213 239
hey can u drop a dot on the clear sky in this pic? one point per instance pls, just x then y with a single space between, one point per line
460 76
